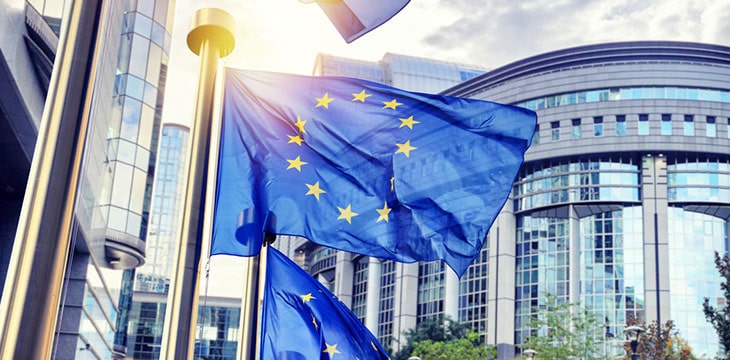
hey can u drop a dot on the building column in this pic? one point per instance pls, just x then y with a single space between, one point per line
656 249
501 307
372 304
575 265
405 309
344 271
451 294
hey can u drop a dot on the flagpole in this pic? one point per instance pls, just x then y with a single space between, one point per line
32 292
210 37
252 300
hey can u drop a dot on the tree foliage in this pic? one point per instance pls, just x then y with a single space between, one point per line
566 331
437 335
720 317
659 342
466 348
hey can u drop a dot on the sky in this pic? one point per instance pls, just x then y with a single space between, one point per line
287 35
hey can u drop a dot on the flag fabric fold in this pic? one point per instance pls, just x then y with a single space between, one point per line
355 18
363 167
301 319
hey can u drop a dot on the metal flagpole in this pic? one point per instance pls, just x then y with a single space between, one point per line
251 302
32 292
210 37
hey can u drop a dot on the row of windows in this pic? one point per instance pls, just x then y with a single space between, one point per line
629 93
387 302
620 127
359 289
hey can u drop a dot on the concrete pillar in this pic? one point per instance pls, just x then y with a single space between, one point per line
656 249
344 272
372 306
406 302
501 308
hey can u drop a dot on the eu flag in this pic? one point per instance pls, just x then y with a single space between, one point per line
301 319
355 18
363 167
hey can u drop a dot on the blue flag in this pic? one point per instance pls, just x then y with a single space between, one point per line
301 319
363 167
355 18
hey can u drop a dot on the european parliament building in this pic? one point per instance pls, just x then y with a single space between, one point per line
621 203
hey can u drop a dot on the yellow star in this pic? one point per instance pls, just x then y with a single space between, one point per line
307 297
314 190
331 349
391 104
314 321
361 96
346 213
296 164
392 184
405 148
300 124
295 139
383 212
324 101
408 122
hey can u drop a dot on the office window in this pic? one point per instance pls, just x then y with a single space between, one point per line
643 124
555 132
620 125
598 126
575 130
666 124
689 125
536 135
711 130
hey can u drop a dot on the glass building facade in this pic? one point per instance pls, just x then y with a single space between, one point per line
112 206
622 201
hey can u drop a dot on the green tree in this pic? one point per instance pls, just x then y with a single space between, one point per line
720 317
436 330
466 348
564 331
660 342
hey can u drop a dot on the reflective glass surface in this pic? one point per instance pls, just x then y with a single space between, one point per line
387 303
430 291
693 179
612 180
612 270
542 265
693 240
631 93
474 293
359 289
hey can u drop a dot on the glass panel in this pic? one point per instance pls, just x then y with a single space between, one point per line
145 126
150 95
153 65
158 34
711 130
122 185
117 219
138 56
130 119
126 152
146 7
134 87
138 189
134 224
143 25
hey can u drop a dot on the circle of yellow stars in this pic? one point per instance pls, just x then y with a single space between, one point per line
315 189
